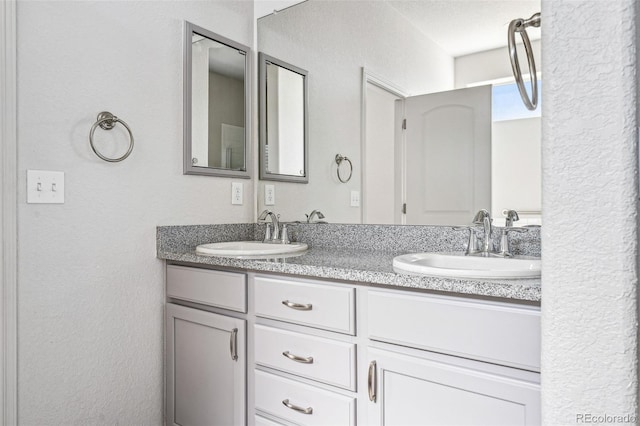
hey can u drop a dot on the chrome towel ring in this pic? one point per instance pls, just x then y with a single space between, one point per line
520 25
108 121
339 160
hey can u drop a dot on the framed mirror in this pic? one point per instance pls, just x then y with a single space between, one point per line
216 105
284 134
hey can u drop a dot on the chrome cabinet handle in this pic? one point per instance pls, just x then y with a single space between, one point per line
298 306
233 344
372 381
308 410
296 358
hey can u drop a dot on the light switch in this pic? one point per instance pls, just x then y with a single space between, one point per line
236 193
45 187
269 195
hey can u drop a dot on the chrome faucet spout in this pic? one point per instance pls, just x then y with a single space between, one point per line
484 218
313 214
274 220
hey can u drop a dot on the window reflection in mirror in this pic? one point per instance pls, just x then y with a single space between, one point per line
216 105
283 121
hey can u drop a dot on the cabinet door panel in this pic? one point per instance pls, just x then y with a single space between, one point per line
205 385
416 391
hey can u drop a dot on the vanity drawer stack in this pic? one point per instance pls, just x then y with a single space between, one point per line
299 353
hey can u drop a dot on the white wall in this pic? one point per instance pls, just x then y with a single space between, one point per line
333 42
493 64
90 288
589 175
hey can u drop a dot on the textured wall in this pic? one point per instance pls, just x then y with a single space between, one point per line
333 41
589 261
90 288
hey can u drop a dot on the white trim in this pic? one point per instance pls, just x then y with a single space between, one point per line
8 205
369 78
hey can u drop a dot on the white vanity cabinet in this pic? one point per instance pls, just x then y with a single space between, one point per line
409 385
206 352
330 353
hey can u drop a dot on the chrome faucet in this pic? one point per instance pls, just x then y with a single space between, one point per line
271 237
314 213
484 218
512 216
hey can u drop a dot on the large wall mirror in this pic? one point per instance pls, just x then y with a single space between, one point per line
372 62
216 105
283 121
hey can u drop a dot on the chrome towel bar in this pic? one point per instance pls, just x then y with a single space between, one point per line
108 121
520 26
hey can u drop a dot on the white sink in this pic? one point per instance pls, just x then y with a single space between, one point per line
250 248
459 265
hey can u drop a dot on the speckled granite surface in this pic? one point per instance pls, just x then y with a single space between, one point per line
364 254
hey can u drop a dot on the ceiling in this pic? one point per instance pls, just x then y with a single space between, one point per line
461 27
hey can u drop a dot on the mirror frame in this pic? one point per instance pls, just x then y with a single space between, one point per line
189 168
263 59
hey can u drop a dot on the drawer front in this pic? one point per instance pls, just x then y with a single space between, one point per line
226 290
263 421
500 333
316 358
324 306
322 407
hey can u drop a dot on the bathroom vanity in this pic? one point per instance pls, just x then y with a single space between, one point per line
338 338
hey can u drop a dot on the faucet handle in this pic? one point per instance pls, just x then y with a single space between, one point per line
284 238
472 244
504 240
267 233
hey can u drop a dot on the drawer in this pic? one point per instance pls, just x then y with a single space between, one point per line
495 332
263 421
326 306
322 407
226 290
328 361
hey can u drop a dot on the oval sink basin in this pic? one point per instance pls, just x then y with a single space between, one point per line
250 248
459 265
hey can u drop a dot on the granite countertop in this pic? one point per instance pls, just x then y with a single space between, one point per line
362 266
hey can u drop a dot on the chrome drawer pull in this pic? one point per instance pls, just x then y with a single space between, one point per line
298 306
308 410
372 381
296 358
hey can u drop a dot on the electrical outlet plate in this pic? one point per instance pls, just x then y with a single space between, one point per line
236 193
355 198
45 187
269 195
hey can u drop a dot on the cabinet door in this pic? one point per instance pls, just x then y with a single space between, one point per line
205 367
405 390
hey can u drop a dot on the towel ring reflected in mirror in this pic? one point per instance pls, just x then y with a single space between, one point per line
339 160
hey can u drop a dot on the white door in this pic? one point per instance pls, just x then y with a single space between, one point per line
424 392
447 144
380 205
205 367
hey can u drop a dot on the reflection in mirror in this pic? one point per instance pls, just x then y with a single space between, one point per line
362 71
215 105
283 121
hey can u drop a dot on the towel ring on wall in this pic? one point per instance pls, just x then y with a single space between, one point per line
520 25
108 121
339 160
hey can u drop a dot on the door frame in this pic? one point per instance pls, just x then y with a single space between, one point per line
8 206
370 78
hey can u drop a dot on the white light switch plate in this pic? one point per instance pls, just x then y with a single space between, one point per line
236 193
269 195
45 187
